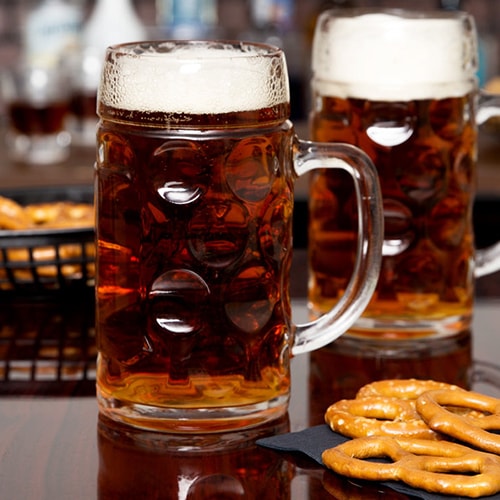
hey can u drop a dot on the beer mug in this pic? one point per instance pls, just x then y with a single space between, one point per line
194 196
402 87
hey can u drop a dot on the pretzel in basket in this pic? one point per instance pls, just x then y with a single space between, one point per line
439 467
434 407
60 215
12 215
49 260
54 215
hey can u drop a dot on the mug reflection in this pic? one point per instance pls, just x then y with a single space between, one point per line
340 369
139 464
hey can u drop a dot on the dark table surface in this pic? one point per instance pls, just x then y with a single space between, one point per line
53 445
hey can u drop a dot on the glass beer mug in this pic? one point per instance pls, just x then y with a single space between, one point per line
194 194
401 86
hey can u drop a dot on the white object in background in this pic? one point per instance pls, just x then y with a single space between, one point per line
51 33
110 22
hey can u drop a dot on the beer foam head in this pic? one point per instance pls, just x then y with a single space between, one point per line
193 77
394 55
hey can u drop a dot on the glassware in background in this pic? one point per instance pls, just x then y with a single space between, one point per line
35 89
274 22
110 22
37 105
402 86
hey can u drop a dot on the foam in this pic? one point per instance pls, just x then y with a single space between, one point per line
171 79
382 56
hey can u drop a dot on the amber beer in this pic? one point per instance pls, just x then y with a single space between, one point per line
415 118
37 107
31 119
187 227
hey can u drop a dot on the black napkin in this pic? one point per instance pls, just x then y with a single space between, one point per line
314 440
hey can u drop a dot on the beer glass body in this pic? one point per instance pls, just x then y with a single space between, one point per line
195 171
401 86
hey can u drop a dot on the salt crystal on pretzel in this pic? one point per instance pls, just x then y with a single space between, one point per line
439 467
384 408
402 388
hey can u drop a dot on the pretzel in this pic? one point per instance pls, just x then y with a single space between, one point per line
438 467
49 260
59 215
377 416
12 215
54 215
404 389
467 428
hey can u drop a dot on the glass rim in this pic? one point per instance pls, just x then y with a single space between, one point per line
180 49
182 78
402 12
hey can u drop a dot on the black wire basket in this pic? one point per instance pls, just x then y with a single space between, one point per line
47 302
39 260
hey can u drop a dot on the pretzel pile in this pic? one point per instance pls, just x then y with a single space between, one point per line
46 216
412 424
52 215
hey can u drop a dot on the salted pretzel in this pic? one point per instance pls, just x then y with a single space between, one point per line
438 467
53 215
409 389
434 407
377 416
50 260
12 215
60 215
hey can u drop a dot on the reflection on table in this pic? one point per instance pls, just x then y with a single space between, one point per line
47 344
49 422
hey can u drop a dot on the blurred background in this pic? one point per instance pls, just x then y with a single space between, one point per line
289 23
50 38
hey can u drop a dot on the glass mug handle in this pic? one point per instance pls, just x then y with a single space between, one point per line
487 260
312 155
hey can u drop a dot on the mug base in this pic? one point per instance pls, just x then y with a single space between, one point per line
39 149
400 329
190 420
